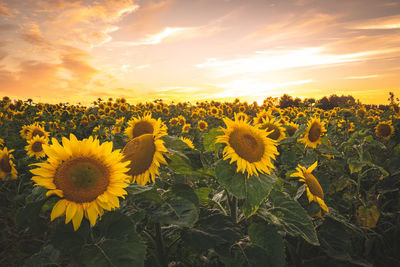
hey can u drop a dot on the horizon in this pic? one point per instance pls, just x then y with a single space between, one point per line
77 51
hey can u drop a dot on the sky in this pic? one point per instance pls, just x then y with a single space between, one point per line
190 50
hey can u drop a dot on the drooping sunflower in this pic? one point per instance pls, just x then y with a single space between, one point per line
7 166
314 189
35 147
188 142
275 130
202 125
87 176
36 130
249 146
145 154
145 125
313 133
291 128
384 130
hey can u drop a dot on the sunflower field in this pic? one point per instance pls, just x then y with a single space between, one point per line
204 184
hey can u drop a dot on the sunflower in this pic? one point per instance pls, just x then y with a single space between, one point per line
36 129
186 127
240 116
291 128
248 146
25 131
314 131
384 130
188 142
7 166
145 154
202 125
35 147
1 142
89 178
275 130
145 125
314 190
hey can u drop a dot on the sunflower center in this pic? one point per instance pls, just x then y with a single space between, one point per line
142 127
291 130
82 179
247 145
384 130
140 152
315 132
5 164
37 132
275 134
37 147
313 185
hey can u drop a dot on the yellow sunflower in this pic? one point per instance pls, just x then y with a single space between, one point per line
384 130
36 130
202 125
145 125
241 116
273 128
188 142
24 131
87 176
145 154
248 146
186 127
35 147
1 142
291 128
314 190
7 166
313 133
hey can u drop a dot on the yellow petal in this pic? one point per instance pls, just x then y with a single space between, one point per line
92 213
70 211
58 209
77 219
312 167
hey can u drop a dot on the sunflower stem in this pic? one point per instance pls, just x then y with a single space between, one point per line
232 201
160 246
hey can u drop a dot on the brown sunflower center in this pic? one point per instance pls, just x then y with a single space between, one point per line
37 132
247 145
315 132
5 164
37 147
275 134
140 151
82 179
202 125
142 127
291 130
384 130
313 185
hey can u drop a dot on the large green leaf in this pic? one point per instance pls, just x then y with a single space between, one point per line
288 214
266 237
253 189
210 138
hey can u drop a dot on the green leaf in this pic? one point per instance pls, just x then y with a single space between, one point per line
290 216
355 165
212 229
47 256
180 164
181 212
203 193
29 217
173 142
210 138
186 192
253 189
266 237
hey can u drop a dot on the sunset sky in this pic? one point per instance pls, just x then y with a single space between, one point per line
77 51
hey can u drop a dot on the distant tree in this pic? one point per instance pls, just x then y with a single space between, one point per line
286 101
323 103
297 102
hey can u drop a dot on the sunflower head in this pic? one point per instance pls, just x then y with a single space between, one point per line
145 154
384 130
202 125
240 116
273 128
35 147
291 128
145 125
249 146
87 176
36 130
7 166
313 133
186 127
25 131
314 189
188 142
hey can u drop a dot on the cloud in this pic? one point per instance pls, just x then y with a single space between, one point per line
363 77
382 23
